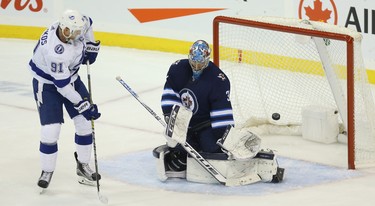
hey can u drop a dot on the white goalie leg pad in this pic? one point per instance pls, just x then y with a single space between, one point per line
171 142
160 166
240 144
243 173
178 124
236 172
267 165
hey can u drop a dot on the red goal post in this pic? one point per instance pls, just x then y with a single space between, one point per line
246 47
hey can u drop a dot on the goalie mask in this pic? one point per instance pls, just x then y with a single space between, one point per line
199 55
74 21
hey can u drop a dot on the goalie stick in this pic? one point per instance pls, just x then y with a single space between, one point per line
101 197
248 179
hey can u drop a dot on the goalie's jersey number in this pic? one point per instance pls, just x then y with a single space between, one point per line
189 100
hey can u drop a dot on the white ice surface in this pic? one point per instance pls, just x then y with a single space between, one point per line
125 136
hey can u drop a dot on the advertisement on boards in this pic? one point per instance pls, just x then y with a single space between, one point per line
358 15
191 20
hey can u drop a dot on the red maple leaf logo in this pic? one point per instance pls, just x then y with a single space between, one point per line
317 14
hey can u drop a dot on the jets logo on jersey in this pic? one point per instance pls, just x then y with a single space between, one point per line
59 49
189 100
221 76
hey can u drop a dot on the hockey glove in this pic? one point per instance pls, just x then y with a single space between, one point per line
92 49
89 111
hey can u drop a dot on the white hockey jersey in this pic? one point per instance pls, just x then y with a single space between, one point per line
56 62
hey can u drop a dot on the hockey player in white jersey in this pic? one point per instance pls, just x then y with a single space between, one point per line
57 57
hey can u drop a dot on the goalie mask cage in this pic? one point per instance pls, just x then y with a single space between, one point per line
283 65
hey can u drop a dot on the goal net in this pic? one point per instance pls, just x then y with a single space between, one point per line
280 65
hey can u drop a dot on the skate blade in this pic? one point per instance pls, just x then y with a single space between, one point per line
85 181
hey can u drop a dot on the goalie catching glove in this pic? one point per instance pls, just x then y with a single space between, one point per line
89 111
240 144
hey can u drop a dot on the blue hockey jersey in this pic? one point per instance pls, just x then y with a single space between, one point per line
207 97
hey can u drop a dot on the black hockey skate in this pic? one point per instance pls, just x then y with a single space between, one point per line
44 180
85 175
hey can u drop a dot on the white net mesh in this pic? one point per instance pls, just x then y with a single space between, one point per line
282 72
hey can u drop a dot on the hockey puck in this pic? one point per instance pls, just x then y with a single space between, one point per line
275 116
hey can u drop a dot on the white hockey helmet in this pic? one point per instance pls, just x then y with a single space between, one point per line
74 21
199 55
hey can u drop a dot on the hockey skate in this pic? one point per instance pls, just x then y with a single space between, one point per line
44 180
85 175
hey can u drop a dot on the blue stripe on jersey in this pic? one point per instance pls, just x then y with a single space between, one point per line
218 113
90 21
218 124
39 72
170 92
59 83
221 118
62 82
169 103
170 98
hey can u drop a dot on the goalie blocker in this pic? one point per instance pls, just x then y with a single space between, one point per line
242 157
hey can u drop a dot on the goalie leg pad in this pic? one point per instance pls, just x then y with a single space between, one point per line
160 165
170 163
268 169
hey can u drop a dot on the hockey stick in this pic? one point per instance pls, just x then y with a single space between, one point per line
101 197
192 152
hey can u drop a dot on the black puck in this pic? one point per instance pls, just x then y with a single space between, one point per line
275 116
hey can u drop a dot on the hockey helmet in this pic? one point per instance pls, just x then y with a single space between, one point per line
74 21
199 55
